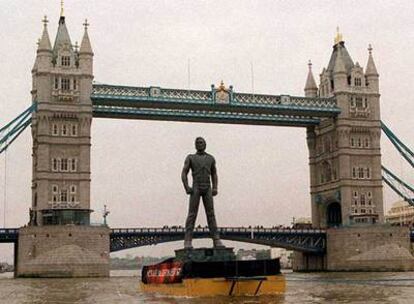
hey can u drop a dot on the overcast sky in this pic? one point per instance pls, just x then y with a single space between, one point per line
263 171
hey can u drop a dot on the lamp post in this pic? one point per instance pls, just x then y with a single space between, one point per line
105 214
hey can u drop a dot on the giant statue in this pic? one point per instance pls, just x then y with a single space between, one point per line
203 168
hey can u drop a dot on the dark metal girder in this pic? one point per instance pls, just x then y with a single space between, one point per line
300 240
202 117
154 103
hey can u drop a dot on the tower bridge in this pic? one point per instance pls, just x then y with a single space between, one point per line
341 116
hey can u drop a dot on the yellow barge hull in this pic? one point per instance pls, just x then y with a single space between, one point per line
201 287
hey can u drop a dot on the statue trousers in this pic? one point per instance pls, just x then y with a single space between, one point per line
207 197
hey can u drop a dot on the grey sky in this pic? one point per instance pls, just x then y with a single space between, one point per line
136 165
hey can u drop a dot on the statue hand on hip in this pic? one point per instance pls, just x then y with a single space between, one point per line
189 190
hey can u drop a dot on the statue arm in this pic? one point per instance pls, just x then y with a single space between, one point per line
184 174
214 177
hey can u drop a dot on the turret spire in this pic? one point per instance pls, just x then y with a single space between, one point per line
371 68
311 89
86 47
44 42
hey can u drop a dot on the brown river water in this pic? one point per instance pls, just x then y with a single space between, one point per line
123 287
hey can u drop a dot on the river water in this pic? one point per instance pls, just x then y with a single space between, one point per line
123 287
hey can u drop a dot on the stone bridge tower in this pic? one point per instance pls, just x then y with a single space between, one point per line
59 240
61 127
344 153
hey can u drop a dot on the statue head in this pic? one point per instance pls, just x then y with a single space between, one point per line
200 144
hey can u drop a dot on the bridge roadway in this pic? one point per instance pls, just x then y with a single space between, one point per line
305 240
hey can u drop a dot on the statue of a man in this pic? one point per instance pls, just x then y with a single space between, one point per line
202 165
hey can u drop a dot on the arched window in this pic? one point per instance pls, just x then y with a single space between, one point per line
72 164
64 130
368 173
74 130
55 164
73 189
55 129
354 172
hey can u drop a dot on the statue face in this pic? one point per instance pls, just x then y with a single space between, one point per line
200 144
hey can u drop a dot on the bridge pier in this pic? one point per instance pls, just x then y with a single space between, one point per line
361 248
304 261
369 248
63 251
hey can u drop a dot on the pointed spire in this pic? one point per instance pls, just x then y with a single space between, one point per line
86 47
62 36
339 66
310 81
371 69
44 42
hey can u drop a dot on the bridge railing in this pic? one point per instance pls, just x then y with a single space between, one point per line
222 230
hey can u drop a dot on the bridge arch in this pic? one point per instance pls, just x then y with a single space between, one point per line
304 240
333 214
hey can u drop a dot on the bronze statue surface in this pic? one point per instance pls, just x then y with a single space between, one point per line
203 169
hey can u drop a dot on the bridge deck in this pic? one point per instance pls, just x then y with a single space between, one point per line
204 106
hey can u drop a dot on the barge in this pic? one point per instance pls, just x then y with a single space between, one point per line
207 272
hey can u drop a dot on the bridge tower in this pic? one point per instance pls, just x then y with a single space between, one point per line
344 152
59 226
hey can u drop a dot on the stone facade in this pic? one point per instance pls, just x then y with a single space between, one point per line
344 153
369 248
63 251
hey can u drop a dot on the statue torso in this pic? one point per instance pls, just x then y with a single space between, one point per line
201 165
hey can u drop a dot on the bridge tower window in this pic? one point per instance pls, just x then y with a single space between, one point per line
65 61
362 199
55 129
64 195
64 130
73 164
55 166
75 84
333 215
65 84
368 173
73 189
64 164
56 84
74 130
354 172
360 172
